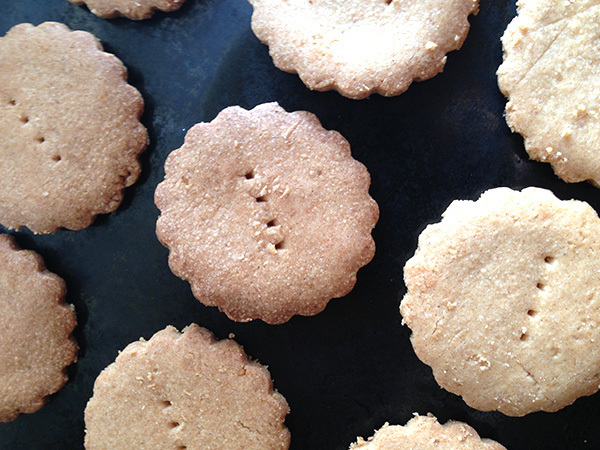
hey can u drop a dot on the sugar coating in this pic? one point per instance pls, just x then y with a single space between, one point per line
266 213
132 9
426 433
185 391
551 76
360 47
503 300
36 344
69 129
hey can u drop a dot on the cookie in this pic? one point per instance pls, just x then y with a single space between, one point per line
551 79
503 300
70 133
358 47
36 344
132 9
425 432
185 390
266 213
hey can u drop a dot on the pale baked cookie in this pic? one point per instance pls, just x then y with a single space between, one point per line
132 9
424 433
504 301
70 132
185 391
36 344
360 47
551 76
266 213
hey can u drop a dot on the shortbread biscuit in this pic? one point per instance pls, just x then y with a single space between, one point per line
132 9
551 78
424 433
185 390
266 213
360 47
503 301
36 344
70 132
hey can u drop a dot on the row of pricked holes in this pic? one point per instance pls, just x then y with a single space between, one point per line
40 139
272 223
173 424
541 286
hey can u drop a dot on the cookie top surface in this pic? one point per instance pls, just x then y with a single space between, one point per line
36 343
132 9
266 213
69 129
503 301
551 76
360 47
424 433
185 390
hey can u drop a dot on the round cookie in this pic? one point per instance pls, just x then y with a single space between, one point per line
185 390
266 213
36 344
503 301
551 77
69 129
132 9
426 433
360 47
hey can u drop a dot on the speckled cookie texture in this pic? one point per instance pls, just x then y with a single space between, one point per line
503 301
185 391
360 47
70 132
132 9
36 344
266 213
426 433
551 76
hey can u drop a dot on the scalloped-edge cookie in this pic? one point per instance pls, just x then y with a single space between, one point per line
503 300
185 390
36 344
360 47
551 79
132 9
426 433
266 213
70 133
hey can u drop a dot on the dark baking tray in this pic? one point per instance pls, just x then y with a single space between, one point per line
351 368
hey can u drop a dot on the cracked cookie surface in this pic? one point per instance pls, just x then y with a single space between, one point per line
70 133
503 300
551 77
360 47
185 391
266 213
36 344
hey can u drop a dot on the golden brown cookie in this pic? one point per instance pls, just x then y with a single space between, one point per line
266 213
360 47
426 433
504 301
70 132
551 78
132 9
185 391
36 344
